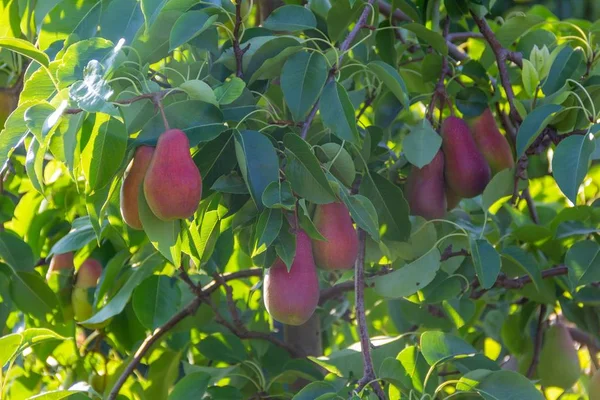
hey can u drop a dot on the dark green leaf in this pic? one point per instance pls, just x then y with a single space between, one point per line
337 112
155 299
290 18
302 79
486 261
391 79
25 48
188 26
421 144
432 38
571 162
533 125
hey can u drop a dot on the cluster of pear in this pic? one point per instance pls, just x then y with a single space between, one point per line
167 174
75 299
291 297
471 154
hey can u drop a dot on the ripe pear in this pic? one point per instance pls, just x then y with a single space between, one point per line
594 387
60 280
173 185
452 199
132 184
425 189
467 172
491 143
292 297
341 248
85 282
559 363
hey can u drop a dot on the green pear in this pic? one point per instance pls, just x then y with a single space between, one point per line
85 281
559 363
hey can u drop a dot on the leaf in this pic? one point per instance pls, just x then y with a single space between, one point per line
337 112
409 279
151 9
437 347
285 247
315 390
306 222
570 163
80 235
533 125
530 78
9 345
421 144
122 19
110 275
258 162
267 229
291 18
120 300
32 295
216 158
302 79
164 235
432 38
525 262
279 195
568 63
105 151
391 79
188 26
501 187
155 300
13 133
191 386
583 261
200 121
34 165
199 90
362 212
230 91
486 261
499 385
56 394
304 171
471 101
391 207
25 48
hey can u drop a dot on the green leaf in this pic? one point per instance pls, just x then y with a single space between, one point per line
285 247
25 48
151 9
302 79
164 235
80 235
437 347
337 112
409 279
188 26
110 274
530 78
499 385
199 90
258 162
421 144
363 213
105 151
583 261
315 390
155 299
338 161
122 19
230 91
430 37
56 394
392 208
16 253
290 18
191 386
568 63
533 125
9 345
36 118
391 80
304 171
306 222
34 165
471 101
13 133
279 195
216 158
486 261
32 295
267 229
570 163
525 262
120 300
501 187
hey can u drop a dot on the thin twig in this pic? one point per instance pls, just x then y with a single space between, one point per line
365 343
537 344
237 50
531 206
367 103
440 88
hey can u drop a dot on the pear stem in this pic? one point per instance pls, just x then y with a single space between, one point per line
160 106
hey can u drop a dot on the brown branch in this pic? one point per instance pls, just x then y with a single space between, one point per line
462 36
362 21
369 376
448 253
537 344
190 309
237 50
502 55
369 98
531 206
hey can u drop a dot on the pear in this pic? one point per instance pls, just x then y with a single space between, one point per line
173 185
60 280
425 189
467 172
559 363
131 186
292 297
452 199
491 143
60 263
340 249
86 280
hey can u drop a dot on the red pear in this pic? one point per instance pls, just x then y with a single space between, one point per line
292 297
452 199
341 248
60 263
131 186
87 278
491 143
173 185
425 189
467 172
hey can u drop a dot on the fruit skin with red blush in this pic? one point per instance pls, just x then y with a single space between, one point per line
491 143
340 249
85 281
425 191
132 184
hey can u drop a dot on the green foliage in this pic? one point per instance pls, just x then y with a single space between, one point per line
286 107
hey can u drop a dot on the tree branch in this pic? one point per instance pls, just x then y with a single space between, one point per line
190 309
237 50
369 376
537 344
